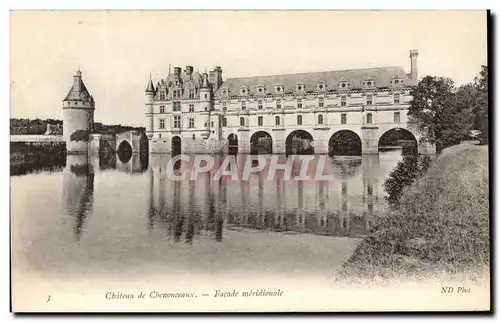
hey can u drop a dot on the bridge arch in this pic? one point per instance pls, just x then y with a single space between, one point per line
344 142
124 151
299 142
398 138
261 142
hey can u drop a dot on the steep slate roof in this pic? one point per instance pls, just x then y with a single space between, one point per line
82 95
381 75
151 87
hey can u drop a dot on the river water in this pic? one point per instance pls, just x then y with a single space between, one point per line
100 215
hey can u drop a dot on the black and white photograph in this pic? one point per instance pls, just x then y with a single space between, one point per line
249 161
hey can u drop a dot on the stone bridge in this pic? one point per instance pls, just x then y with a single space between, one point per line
128 142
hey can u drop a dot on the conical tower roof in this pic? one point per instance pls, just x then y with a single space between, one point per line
151 87
78 91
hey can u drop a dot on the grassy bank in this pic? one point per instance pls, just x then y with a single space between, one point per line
441 226
26 158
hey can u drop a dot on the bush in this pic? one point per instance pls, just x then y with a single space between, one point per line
404 174
79 135
442 223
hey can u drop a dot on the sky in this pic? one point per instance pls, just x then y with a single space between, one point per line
117 50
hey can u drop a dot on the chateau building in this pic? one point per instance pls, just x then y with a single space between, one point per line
332 112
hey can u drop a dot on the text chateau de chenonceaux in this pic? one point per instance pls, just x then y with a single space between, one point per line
305 113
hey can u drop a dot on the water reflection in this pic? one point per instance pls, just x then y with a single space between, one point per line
78 190
344 206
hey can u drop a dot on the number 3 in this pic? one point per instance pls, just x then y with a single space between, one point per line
48 299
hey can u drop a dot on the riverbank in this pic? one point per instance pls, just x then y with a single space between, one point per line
26 158
440 229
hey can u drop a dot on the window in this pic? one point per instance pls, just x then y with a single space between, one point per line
278 103
396 98
369 99
191 123
162 96
299 102
212 124
259 104
343 118
159 135
369 118
177 121
397 117
243 105
224 121
194 136
320 119
191 108
177 106
260 120
277 120
321 102
343 101
162 123
299 119
176 93
224 106
206 109
191 93
162 109
242 121
206 96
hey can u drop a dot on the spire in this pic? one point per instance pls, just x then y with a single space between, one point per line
205 81
151 87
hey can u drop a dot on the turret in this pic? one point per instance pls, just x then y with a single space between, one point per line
205 99
78 116
150 93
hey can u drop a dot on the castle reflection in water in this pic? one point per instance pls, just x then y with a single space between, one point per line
344 206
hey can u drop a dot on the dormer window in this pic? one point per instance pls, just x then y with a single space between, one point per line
369 83
162 96
396 81
344 84
279 88
225 91
244 91
261 89
300 87
321 86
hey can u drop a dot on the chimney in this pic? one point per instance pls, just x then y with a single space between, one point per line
189 70
177 71
413 59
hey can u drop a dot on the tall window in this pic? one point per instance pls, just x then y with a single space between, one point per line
242 121
243 105
176 93
369 119
162 96
397 117
299 102
224 121
299 119
259 105
321 102
320 119
212 124
177 121
162 109
260 121
191 108
191 123
162 123
343 118
278 103
194 137
396 98
277 120
206 96
177 107
343 101
191 93
369 99
224 106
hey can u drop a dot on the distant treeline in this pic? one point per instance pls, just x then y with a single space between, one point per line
39 126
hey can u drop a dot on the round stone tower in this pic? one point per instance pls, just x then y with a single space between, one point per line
150 93
78 116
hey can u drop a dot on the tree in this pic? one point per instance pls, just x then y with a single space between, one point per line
481 105
439 112
79 135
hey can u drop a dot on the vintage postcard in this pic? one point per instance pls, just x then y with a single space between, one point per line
249 161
